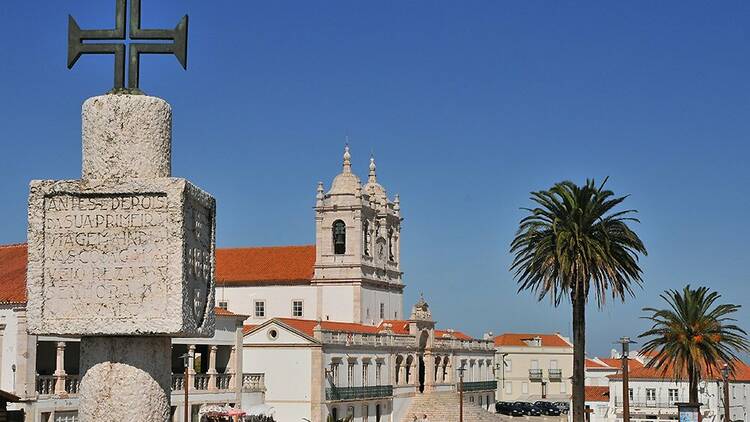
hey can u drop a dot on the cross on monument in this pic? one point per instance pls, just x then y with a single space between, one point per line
77 46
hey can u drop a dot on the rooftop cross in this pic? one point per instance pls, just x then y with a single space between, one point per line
77 46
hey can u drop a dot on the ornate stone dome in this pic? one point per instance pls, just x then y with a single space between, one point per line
347 182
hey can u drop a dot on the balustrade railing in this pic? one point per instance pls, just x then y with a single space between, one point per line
480 385
358 393
200 381
178 382
555 374
399 340
223 381
253 382
45 384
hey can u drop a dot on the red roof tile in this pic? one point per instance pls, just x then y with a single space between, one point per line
595 393
617 363
519 339
595 364
13 273
742 373
275 264
224 312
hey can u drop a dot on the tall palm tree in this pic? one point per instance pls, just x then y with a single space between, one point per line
693 336
573 242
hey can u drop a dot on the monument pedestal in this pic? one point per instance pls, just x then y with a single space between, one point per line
125 379
123 258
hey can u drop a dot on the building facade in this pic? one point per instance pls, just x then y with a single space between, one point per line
533 367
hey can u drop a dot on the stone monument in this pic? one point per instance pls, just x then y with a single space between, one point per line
123 257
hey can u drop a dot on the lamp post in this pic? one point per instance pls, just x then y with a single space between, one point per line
625 342
501 367
725 375
186 381
461 370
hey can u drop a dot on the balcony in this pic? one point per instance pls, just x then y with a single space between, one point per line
222 382
358 393
45 384
480 386
535 374
555 374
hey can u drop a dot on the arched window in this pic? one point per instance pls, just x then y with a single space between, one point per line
366 237
339 237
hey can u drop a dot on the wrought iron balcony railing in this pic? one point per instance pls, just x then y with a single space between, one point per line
555 374
535 374
358 393
480 386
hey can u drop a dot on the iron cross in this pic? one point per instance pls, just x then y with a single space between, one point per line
77 46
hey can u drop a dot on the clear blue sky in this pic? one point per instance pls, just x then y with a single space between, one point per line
468 106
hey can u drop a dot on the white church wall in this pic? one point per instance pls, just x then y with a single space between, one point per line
277 300
337 303
371 300
9 340
288 378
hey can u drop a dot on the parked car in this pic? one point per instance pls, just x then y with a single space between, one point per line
507 408
548 409
529 409
563 406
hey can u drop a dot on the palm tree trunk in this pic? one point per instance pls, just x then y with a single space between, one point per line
693 383
579 351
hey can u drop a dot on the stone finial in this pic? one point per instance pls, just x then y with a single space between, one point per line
397 203
373 177
421 310
319 196
347 160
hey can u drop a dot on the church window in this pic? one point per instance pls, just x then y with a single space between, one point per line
382 310
297 310
339 237
366 238
260 309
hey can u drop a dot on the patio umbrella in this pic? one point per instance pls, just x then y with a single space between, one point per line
261 410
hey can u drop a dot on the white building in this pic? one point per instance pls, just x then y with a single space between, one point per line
533 367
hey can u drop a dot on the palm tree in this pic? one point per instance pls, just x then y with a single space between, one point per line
570 243
693 336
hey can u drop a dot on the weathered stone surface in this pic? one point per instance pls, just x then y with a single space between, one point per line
125 379
131 257
126 136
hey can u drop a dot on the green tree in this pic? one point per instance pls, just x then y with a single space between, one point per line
694 336
570 243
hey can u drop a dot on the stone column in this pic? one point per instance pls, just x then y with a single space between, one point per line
414 373
60 369
401 369
429 370
231 368
212 367
191 369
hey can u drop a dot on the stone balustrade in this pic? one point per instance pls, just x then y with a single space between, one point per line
400 340
45 384
253 382
200 381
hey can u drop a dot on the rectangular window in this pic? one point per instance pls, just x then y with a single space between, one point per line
508 387
350 375
223 305
650 394
382 311
630 394
564 387
364 374
378 373
297 310
553 364
674 395
534 364
525 388
260 308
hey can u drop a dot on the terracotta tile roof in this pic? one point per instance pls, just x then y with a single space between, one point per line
742 373
617 363
457 334
519 339
398 326
13 273
595 393
248 327
595 364
274 264
225 312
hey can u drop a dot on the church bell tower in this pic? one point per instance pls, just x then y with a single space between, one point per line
358 231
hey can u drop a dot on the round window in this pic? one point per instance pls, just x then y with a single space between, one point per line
273 334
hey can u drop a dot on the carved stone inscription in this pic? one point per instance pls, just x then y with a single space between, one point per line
105 255
198 255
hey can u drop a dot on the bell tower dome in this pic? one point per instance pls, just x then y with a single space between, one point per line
357 249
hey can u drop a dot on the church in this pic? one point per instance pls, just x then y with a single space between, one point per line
312 331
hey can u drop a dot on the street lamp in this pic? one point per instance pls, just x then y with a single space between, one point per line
501 367
186 381
625 342
725 374
461 370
